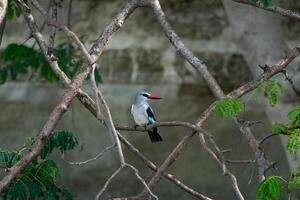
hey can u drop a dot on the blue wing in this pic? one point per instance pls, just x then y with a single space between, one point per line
151 116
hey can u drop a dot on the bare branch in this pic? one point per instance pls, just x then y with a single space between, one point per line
272 8
136 172
3 10
266 138
218 157
108 182
172 157
239 161
164 124
96 157
54 7
152 166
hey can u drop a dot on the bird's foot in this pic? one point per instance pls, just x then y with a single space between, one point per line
135 127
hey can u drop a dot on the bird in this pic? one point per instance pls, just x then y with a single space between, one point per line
143 114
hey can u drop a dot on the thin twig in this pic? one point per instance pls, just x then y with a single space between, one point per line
99 155
266 137
136 172
152 166
108 182
219 158
54 18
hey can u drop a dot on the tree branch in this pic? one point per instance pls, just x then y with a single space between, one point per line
3 10
220 160
272 8
152 166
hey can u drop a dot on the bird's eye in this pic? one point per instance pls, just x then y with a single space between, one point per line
145 95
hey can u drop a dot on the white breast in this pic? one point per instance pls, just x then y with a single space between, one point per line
139 114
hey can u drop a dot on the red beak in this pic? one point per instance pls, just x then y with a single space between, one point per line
152 96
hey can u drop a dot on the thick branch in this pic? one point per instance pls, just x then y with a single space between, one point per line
3 10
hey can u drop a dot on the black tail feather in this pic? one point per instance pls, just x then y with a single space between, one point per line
154 135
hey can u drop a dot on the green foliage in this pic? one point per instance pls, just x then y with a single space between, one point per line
293 143
12 10
62 140
259 89
266 3
273 89
292 130
294 183
22 60
279 129
38 180
8 159
228 107
294 116
269 189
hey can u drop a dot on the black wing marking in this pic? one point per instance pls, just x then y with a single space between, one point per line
150 114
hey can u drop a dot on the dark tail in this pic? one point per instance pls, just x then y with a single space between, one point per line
154 135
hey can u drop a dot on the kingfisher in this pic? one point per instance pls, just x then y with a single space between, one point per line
143 114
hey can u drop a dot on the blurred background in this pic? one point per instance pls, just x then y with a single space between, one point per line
231 39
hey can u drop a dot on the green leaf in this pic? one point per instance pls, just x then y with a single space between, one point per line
62 140
273 89
266 3
229 107
294 183
294 116
37 181
293 143
20 59
279 129
8 159
259 90
12 10
269 189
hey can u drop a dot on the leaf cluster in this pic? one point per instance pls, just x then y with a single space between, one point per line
61 140
269 189
39 178
229 107
272 88
12 10
292 130
19 59
264 3
294 183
